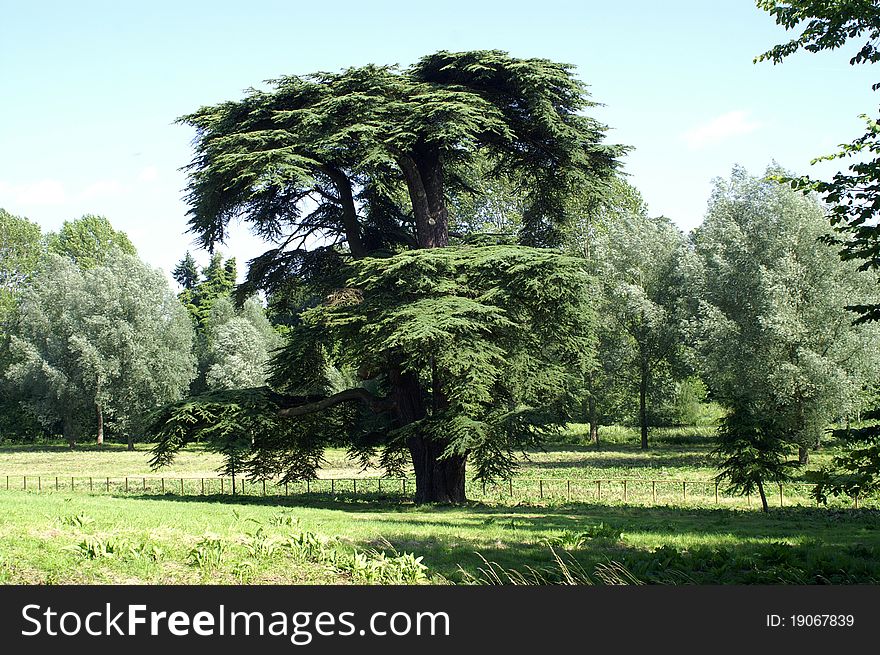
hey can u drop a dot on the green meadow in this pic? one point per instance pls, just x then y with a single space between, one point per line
355 534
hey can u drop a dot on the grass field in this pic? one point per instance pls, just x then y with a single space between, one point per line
136 537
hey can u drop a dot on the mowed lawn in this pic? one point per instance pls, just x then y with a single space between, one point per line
80 537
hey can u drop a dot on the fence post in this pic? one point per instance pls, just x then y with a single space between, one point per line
683 491
354 485
568 488
203 486
24 482
716 493
654 492
221 485
181 486
599 489
71 483
264 487
380 485
780 494
126 485
56 483
510 484
39 483
308 485
91 486
624 491
541 488
332 486
285 487
108 484
144 482
163 485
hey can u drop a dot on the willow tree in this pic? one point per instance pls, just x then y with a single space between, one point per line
423 349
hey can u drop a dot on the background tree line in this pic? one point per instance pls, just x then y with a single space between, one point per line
94 340
748 310
459 269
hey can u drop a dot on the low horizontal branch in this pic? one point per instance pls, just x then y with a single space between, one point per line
300 406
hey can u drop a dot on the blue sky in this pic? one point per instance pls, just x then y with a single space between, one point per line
90 91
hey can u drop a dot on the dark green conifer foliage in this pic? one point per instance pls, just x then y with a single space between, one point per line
496 338
431 356
186 273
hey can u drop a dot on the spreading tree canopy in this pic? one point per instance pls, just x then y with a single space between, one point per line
777 345
418 347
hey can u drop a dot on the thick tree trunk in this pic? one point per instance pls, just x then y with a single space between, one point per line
100 425
803 456
437 230
643 406
764 504
349 211
424 181
437 480
130 442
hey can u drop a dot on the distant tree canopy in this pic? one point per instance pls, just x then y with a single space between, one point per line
641 262
238 345
853 196
98 346
347 171
777 345
22 250
88 241
232 344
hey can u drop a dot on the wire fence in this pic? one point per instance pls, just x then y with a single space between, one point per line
635 491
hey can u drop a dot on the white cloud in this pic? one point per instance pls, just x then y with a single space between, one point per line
720 128
40 192
148 174
102 189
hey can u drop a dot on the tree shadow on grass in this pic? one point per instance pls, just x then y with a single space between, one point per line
834 525
658 544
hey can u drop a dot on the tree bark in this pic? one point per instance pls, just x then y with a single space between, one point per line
643 411
130 442
100 425
594 420
299 406
437 480
69 431
803 455
764 504
424 181
349 212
